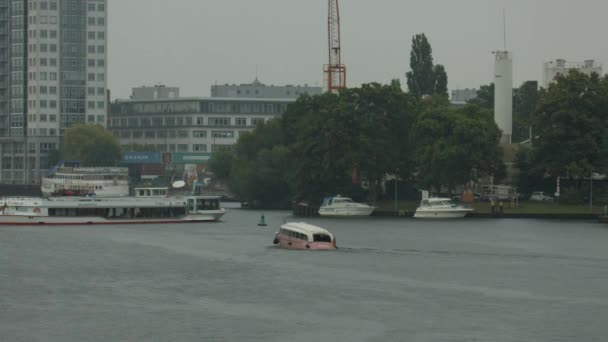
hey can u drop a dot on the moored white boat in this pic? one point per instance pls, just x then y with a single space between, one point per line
440 208
344 207
300 235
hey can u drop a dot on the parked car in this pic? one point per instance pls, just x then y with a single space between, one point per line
540 197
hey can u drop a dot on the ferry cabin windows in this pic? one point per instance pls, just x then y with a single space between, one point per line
321 238
207 204
119 213
295 235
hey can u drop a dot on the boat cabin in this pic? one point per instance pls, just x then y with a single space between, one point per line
336 200
151 192
437 202
305 232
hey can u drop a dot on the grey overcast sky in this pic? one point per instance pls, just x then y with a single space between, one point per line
196 43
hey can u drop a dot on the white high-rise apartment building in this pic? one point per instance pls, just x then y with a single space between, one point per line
53 74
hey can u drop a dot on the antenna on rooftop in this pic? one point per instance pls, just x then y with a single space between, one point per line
504 22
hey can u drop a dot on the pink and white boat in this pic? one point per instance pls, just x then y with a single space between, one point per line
300 235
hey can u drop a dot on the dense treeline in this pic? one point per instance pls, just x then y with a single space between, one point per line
332 144
570 135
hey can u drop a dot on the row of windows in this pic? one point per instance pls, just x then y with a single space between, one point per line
44 5
100 21
174 134
43 76
42 62
53 118
98 49
52 34
42 117
177 148
100 104
100 7
93 77
42 104
42 48
91 35
43 19
42 132
202 107
52 90
181 121
100 63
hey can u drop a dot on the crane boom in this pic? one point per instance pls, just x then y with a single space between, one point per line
335 71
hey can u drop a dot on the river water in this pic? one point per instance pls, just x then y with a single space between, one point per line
392 280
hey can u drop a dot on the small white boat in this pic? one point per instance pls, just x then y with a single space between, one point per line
440 208
344 207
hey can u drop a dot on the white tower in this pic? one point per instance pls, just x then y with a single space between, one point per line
503 94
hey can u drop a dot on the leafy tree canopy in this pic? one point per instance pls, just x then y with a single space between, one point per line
92 145
570 126
451 143
425 78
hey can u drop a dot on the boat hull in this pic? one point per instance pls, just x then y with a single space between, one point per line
297 244
441 214
16 220
346 212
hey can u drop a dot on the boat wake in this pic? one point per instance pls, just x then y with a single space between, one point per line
367 250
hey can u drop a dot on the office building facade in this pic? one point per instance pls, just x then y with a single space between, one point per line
53 74
257 89
156 92
189 125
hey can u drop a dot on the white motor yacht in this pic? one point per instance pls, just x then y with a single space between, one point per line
436 207
344 206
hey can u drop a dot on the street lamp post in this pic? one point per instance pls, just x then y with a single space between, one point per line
396 179
591 192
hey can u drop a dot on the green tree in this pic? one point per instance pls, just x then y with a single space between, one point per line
260 167
525 100
570 126
485 97
92 145
425 78
451 143
363 132
441 80
220 164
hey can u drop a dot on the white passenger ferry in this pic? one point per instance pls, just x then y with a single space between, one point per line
69 179
152 207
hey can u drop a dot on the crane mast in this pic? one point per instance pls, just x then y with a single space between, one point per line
335 71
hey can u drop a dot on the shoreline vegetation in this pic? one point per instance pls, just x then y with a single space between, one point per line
533 210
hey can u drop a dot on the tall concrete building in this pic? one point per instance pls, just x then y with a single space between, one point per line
503 94
53 74
554 69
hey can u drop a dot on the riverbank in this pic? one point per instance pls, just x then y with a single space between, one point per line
528 210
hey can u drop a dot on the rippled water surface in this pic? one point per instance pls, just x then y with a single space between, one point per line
391 280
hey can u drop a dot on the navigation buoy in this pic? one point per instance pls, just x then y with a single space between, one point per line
262 221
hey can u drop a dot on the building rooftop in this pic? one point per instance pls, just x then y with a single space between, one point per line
215 99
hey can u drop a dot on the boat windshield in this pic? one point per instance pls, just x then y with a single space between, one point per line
342 200
321 238
437 203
